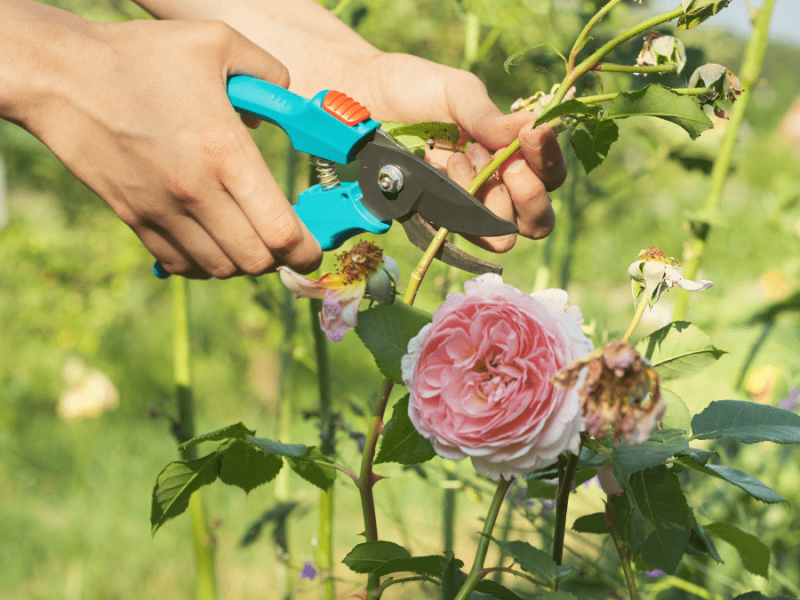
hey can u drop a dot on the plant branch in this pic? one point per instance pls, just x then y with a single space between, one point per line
580 42
636 317
622 550
562 504
614 68
477 571
521 574
205 575
613 95
753 58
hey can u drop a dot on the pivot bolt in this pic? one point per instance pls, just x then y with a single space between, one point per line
390 178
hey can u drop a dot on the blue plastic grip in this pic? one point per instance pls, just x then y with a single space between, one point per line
308 125
334 216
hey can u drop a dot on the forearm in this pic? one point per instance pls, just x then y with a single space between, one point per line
319 50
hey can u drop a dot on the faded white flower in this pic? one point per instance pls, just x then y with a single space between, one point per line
655 272
539 101
662 50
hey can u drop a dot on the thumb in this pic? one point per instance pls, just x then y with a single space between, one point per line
246 58
475 112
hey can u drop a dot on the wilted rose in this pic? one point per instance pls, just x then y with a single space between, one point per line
479 377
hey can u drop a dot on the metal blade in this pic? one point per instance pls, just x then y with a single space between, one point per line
420 233
424 190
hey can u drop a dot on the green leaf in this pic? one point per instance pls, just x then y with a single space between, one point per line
698 455
510 60
760 596
747 422
592 141
655 100
539 489
742 480
370 556
314 468
427 565
668 518
175 485
697 11
678 350
629 520
557 595
677 415
754 553
386 330
429 130
569 107
237 431
662 445
246 467
593 523
450 582
702 542
400 442
270 447
536 562
494 590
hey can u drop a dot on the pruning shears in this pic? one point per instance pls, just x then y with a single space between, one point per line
393 184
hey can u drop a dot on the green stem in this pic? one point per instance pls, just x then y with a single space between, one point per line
504 537
562 504
476 574
202 539
326 542
636 317
622 550
472 36
612 68
366 479
580 41
449 512
613 95
514 572
753 58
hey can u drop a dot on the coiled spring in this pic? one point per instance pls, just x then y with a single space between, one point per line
326 173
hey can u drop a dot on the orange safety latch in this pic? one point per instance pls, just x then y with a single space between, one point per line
344 108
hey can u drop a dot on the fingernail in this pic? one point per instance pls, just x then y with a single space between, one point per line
515 167
462 165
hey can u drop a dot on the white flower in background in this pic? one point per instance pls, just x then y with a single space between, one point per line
88 394
724 86
662 50
655 272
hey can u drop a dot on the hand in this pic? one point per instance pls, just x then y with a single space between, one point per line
412 89
145 122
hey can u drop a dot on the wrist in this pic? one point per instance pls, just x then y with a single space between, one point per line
51 49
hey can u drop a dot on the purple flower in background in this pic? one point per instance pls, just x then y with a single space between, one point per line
654 573
309 572
792 402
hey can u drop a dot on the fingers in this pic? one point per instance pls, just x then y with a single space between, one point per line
462 168
542 151
534 214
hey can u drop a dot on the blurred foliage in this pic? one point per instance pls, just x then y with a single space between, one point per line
76 282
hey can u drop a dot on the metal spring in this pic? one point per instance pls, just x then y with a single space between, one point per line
326 173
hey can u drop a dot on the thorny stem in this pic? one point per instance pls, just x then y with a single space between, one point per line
581 40
622 550
636 317
753 58
366 479
477 572
562 503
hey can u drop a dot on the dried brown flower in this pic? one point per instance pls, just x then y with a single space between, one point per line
619 390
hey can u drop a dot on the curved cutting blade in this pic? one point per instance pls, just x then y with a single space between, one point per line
425 190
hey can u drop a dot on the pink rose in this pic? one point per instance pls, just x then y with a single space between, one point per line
479 377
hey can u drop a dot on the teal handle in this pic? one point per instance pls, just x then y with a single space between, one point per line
335 215
311 128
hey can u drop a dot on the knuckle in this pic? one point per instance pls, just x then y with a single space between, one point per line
218 146
223 270
218 33
257 263
284 234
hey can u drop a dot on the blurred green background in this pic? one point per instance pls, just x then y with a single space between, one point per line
77 297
